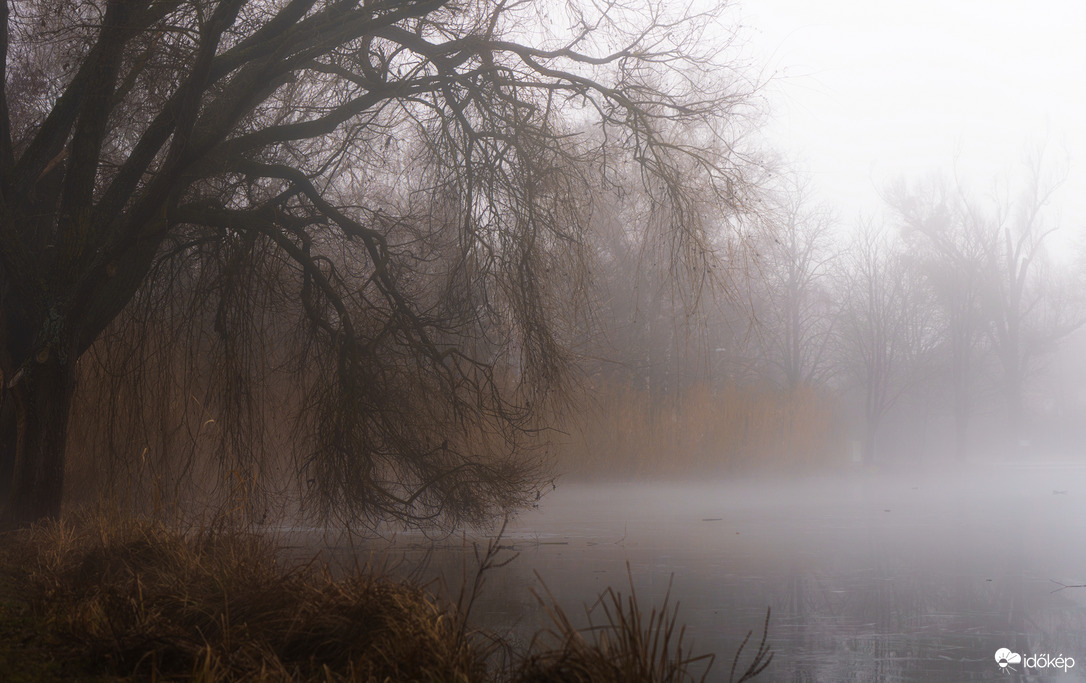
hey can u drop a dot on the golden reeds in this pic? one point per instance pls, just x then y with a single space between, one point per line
624 431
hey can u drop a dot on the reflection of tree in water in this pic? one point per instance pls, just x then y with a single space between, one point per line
895 623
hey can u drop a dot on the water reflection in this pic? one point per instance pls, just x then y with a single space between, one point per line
868 579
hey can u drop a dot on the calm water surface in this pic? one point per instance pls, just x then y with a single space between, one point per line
870 578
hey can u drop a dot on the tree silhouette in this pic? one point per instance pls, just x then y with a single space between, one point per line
987 261
346 231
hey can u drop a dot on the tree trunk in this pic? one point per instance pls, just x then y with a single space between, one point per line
961 410
42 393
8 440
961 426
870 444
1015 414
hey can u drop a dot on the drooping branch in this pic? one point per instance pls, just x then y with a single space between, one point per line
358 228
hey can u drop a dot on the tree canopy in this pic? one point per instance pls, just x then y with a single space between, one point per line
345 237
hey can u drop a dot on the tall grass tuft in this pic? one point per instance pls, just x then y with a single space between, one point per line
625 646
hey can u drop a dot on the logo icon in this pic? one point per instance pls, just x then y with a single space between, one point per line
1004 658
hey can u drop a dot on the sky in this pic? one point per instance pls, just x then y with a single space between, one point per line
862 92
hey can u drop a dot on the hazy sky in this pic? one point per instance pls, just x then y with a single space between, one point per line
868 90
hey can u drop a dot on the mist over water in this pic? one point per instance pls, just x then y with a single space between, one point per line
399 263
911 576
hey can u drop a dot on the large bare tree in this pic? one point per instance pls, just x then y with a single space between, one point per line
357 222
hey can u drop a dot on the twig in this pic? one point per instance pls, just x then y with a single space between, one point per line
762 656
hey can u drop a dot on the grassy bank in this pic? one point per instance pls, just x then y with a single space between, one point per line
108 599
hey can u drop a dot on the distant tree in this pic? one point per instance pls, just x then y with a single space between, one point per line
655 318
885 326
793 314
1029 306
358 223
988 262
949 252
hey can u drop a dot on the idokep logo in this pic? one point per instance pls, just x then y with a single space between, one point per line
1005 658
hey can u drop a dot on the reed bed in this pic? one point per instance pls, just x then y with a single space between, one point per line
624 431
216 605
110 598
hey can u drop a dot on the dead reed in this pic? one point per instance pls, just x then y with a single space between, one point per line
216 605
130 599
626 646
625 431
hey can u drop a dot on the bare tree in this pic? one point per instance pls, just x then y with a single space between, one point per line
1027 307
795 318
987 261
361 220
949 252
885 326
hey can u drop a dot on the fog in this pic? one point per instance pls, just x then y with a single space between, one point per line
877 434
863 92
863 410
906 576
781 317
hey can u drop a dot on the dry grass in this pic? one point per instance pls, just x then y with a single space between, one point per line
625 432
215 605
626 646
116 598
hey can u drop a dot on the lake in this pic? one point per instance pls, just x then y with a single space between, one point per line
869 577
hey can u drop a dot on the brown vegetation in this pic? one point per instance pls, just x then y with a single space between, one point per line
626 432
627 646
142 600
109 598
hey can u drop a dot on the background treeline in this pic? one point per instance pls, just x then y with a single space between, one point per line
926 335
